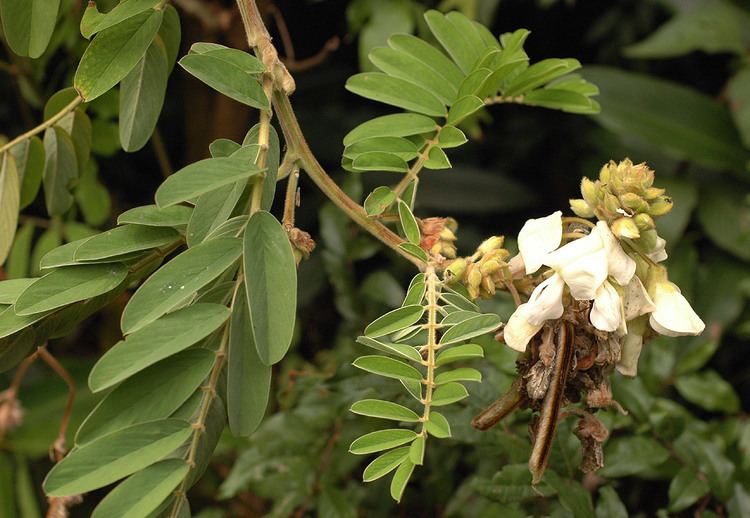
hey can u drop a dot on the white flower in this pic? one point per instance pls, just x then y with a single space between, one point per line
673 315
582 264
659 253
607 313
636 301
545 303
537 238
630 351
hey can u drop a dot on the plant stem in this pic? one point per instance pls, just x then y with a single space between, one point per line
283 86
417 166
431 346
209 394
290 199
296 140
44 125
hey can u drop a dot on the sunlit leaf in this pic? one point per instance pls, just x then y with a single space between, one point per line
381 440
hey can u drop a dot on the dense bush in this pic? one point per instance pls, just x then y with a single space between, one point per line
229 348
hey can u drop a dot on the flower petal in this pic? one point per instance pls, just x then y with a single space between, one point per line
518 331
630 351
619 264
606 312
659 253
636 301
673 315
585 275
545 302
537 238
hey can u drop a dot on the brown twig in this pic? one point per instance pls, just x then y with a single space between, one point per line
57 450
291 199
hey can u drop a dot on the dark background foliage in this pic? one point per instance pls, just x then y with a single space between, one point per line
688 408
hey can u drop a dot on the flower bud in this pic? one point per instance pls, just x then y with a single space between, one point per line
604 172
489 267
649 239
491 244
448 249
625 228
473 276
644 222
633 202
455 270
611 204
581 208
589 191
660 206
488 286
653 192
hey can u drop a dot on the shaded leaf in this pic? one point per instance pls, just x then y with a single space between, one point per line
158 340
115 456
28 24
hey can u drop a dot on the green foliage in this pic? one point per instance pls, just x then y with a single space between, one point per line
215 275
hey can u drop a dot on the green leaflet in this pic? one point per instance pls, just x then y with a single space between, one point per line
142 95
155 216
438 426
60 170
201 177
270 285
396 92
11 289
248 378
404 351
93 21
395 125
124 240
178 280
379 200
381 440
449 393
459 353
9 203
230 72
388 367
401 478
114 52
395 320
29 156
459 38
384 410
385 463
166 336
28 24
211 210
174 379
470 328
170 33
144 491
115 456
409 223
67 285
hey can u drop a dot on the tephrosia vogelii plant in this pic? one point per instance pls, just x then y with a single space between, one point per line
213 272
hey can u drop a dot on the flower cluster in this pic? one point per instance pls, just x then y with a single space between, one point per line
615 266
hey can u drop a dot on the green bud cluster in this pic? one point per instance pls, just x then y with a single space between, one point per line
624 197
483 272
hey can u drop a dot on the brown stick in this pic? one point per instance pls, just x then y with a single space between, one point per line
57 450
501 408
550 411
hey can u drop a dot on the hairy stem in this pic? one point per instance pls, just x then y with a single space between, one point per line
72 105
290 199
431 345
417 166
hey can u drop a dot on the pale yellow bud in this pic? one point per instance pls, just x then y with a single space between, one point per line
491 244
580 208
488 286
625 228
611 204
633 202
589 191
644 222
489 267
653 192
456 269
473 276
660 206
